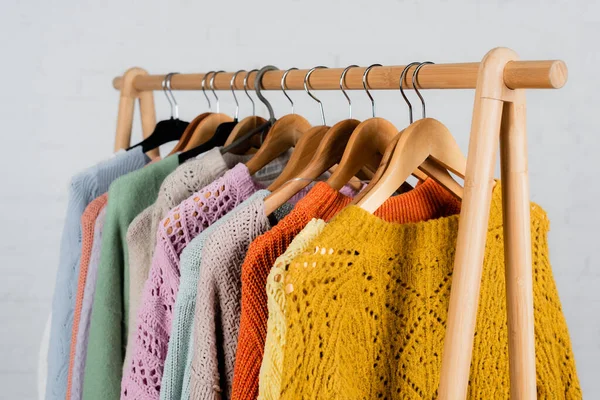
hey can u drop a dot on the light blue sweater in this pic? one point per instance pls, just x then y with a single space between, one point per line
84 188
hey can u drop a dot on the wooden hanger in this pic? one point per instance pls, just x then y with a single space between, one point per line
328 153
366 146
306 146
187 134
246 125
426 144
283 135
408 150
208 126
284 132
242 128
304 151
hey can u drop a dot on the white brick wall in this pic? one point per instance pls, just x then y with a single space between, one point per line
58 110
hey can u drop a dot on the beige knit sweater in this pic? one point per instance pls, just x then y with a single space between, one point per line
187 179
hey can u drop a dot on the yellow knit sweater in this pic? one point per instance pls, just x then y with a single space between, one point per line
366 312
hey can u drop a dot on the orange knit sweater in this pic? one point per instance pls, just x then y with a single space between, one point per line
88 220
427 201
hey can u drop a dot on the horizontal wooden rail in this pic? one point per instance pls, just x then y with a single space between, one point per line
550 74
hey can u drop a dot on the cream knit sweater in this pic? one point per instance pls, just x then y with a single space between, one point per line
269 386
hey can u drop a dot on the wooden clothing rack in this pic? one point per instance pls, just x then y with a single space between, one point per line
499 80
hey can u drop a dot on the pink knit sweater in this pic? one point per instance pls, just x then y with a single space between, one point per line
143 377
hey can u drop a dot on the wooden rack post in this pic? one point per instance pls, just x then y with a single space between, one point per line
498 116
127 108
498 121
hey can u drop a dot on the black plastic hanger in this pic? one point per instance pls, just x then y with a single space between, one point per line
223 130
167 130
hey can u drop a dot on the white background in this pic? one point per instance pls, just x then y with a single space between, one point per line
58 112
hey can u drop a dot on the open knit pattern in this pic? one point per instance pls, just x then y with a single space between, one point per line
177 371
88 222
84 187
216 319
366 313
272 362
177 360
127 197
143 377
187 179
86 311
392 210
321 202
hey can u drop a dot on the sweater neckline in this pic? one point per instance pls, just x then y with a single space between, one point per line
373 227
427 208
426 201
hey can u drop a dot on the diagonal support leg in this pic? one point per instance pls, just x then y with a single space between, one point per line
490 95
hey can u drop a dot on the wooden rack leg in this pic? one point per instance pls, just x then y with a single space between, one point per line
127 108
490 95
517 249
148 115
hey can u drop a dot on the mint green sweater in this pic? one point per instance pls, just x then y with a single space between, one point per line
127 197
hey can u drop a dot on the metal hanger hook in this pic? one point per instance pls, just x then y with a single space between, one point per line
365 86
246 90
231 86
342 84
204 88
164 88
415 83
258 88
174 105
284 87
402 76
212 87
307 89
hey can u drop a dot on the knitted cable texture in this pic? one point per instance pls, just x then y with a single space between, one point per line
187 179
216 319
366 312
177 372
127 197
84 187
86 310
270 370
143 377
88 221
321 202
185 305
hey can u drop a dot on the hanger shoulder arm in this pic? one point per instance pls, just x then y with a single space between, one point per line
405 159
366 146
303 153
206 129
187 134
244 126
283 135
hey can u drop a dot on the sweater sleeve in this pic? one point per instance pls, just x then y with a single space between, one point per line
86 310
139 237
82 186
88 221
105 344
